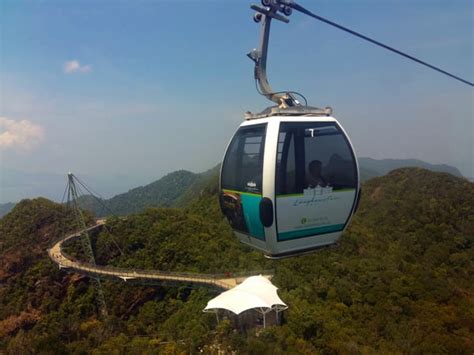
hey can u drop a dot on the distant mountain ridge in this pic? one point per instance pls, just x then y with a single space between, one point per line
134 201
384 166
6 208
174 189
160 193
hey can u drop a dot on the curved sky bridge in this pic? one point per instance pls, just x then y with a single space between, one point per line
221 281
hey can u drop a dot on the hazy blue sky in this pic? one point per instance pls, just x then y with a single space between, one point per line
142 88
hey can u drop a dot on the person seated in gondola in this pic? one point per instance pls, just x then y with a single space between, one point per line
315 177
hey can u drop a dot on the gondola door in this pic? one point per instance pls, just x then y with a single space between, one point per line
241 184
316 185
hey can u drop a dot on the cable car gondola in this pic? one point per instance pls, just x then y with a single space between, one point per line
289 180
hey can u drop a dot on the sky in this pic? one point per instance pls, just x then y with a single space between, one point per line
131 90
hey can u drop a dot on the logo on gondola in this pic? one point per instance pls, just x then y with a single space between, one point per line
316 191
251 186
313 221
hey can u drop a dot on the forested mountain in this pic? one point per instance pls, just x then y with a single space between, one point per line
400 281
161 193
381 167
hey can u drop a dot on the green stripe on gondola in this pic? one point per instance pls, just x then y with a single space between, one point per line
242 193
310 232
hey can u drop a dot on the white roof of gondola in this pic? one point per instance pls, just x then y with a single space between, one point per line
253 292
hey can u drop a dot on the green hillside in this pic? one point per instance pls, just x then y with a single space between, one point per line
160 193
199 186
401 280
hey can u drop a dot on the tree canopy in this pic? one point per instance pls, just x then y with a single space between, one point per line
401 279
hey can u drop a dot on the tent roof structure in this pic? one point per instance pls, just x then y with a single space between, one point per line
254 292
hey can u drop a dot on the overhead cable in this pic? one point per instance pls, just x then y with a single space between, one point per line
300 8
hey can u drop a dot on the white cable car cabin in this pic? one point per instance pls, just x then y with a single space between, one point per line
289 183
289 180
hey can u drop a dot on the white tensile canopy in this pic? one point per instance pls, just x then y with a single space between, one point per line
263 288
255 292
236 301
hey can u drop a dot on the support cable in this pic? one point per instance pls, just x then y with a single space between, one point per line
64 193
100 200
300 8
94 195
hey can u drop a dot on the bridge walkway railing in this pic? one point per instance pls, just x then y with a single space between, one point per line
223 280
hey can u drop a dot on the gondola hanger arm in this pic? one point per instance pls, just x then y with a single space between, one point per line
272 9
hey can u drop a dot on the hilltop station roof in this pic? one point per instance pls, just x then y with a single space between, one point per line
255 292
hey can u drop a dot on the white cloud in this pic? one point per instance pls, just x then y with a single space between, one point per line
73 66
22 134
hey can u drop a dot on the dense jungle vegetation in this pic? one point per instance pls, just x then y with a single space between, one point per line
401 280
